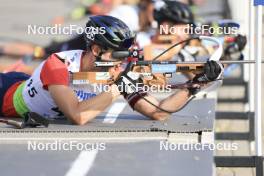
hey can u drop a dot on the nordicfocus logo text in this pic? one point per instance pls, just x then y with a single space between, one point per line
134 88
167 146
58 29
58 145
190 29
92 31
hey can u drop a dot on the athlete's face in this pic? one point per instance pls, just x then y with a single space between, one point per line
179 32
182 31
117 69
107 56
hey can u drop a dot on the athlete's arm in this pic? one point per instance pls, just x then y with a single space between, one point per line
84 111
172 104
143 105
55 79
212 71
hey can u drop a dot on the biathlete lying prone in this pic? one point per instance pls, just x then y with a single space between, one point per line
50 93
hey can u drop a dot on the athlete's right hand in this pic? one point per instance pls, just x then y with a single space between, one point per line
126 85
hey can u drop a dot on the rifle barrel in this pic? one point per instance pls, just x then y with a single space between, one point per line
191 62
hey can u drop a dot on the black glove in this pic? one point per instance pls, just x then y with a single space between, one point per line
212 71
130 87
233 50
126 84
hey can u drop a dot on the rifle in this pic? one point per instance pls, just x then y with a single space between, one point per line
156 67
137 68
140 68
31 120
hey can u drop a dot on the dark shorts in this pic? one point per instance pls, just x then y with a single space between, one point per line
7 80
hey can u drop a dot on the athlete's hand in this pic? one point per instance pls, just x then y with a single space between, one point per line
233 50
115 72
126 85
212 71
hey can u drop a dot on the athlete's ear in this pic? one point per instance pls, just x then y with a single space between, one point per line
95 49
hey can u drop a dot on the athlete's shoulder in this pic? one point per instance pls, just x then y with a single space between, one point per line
70 55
